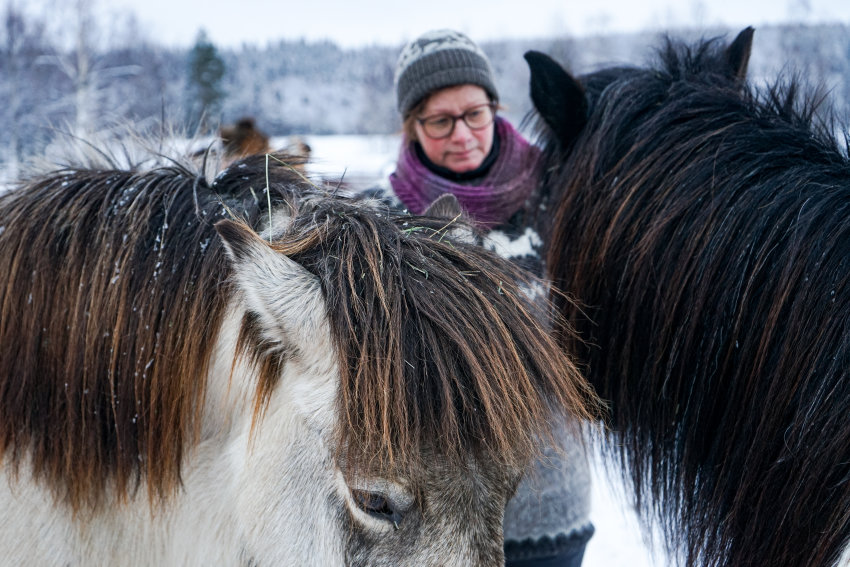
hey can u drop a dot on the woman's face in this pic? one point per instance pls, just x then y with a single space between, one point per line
464 149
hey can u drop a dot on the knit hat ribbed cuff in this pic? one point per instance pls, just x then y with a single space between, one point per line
437 60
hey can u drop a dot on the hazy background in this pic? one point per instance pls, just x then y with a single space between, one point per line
94 67
390 22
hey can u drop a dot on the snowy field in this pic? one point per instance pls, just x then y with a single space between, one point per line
366 161
362 161
617 541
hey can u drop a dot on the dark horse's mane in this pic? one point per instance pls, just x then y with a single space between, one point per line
705 226
117 284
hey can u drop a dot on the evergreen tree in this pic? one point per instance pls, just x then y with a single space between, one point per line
204 91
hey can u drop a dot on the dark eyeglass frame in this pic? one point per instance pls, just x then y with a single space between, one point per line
455 118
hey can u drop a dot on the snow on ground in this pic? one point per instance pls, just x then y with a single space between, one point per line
361 161
617 541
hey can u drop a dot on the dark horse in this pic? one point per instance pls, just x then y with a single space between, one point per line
705 227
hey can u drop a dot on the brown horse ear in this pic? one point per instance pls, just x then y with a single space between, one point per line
738 53
557 96
445 206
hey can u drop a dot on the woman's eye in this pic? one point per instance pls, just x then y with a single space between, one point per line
440 122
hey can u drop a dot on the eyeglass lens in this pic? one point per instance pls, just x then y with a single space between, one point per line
443 125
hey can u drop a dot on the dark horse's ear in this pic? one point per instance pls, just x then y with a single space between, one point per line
738 53
445 206
557 96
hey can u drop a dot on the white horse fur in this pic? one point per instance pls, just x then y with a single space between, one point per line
270 495
263 485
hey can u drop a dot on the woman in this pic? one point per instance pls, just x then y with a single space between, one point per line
454 142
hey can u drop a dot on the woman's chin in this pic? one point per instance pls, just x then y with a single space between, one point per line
464 164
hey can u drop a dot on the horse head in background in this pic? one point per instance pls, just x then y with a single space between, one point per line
242 139
703 225
324 382
298 146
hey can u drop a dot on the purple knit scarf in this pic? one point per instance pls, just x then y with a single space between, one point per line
492 199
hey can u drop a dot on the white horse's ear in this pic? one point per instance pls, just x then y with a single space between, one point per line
287 298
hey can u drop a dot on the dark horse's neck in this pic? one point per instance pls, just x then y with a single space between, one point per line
703 227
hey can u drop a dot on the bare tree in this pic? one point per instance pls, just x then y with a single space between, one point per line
21 41
81 61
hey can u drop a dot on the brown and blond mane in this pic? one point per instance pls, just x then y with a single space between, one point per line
415 315
118 283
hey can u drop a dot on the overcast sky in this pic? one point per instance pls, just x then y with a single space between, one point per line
391 22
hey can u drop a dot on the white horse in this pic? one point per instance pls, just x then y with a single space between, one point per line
364 390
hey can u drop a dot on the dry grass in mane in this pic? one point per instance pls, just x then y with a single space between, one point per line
118 284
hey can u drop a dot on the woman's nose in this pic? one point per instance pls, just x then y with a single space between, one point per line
461 132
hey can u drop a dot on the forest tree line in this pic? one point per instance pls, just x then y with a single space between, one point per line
298 87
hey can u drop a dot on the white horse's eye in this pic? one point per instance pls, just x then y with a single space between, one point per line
377 505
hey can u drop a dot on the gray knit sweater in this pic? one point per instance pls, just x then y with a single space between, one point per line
550 513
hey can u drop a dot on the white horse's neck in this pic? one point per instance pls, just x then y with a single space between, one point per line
195 528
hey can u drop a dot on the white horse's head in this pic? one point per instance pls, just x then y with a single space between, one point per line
365 390
299 495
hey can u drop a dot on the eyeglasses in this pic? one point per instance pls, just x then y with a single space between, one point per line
442 125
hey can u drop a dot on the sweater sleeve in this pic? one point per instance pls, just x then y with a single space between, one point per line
550 512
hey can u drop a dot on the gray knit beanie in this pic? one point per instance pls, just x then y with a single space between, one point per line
438 59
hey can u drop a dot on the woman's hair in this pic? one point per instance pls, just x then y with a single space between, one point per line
408 125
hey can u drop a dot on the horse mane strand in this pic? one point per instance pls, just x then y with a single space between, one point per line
116 287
